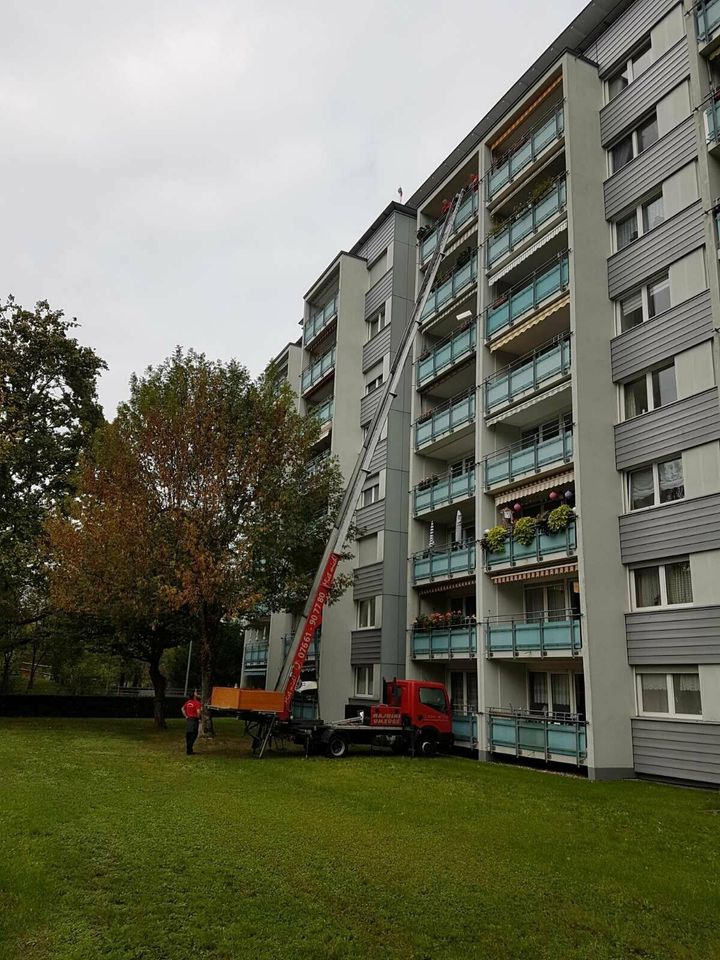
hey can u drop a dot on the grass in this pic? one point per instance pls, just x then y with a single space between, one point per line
115 845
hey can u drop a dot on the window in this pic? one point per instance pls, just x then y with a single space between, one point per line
650 391
645 303
374 378
546 603
663 585
627 230
461 467
547 431
463 691
635 143
371 492
376 323
553 693
653 213
366 616
629 70
637 223
434 698
669 694
658 483
365 680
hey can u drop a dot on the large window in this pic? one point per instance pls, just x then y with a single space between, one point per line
365 680
662 585
371 491
374 378
635 143
629 70
656 484
366 613
669 694
654 389
463 691
555 693
640 221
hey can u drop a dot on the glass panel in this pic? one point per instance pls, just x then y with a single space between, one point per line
653 213
538 692
618 83
663 386
627 231
641 61
621 154
631 314
659 296
636 398
472 692
678 582
560 683
670 477
686 689
642 489
556 601
534 604
457 691
647 134
653 688
647 587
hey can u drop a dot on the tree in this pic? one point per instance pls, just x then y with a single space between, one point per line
48 412
203 480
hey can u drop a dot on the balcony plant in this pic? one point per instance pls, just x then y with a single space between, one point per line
560 518
421 622
424 416
426 482
464 257
524 531
494 539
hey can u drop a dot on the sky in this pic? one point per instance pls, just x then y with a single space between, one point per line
178 172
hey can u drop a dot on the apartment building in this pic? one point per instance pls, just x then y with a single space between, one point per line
560 430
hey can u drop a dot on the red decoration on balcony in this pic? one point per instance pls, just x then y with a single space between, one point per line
517 507
553 494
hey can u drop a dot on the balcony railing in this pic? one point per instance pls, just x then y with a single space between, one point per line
465 729
428 495
446 418
521 379
324 413
304 710
556 631
543 546
445 643
256 656
465 212
319 320
460 279
316 463
527 296
519 460
456 347
526 223
287 643
555 737
316 371
712 123
440 563
707 15
548 131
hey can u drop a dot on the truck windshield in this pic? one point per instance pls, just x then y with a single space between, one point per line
432 697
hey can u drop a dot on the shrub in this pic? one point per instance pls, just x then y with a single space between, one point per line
559 519
495 538
524 531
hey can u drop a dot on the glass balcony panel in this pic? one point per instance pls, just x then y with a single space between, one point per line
521 228
467 209
539 735
320 319
527 151
449 417
304 710
464 727
528 296
533 638
318 369
544 545
456 641
439 563
521 158
450 288
447 488
708 19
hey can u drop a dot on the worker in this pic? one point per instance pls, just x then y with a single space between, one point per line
191 710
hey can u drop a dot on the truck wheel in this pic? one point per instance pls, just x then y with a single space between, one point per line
425 744
337 747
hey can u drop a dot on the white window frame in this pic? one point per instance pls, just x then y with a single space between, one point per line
655 467
368 606
644 300
670 682
570 674
371 492
639 220
663 605
634 138
467 706
364 681
628 66
377 322
648 389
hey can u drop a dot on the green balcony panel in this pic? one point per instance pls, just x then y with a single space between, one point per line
520 380
316 371
518 461
510 636
708 19
312 649
549 131
324 413
465 212
256 658
465 728
544 545
712 123
319 320
444 490
442 563
445 643
549 737
443 295
528 222
445 419
527 296
304 710
457 347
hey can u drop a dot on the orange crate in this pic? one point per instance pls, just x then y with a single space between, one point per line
236 698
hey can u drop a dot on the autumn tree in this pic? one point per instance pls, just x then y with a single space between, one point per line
48 411
205 482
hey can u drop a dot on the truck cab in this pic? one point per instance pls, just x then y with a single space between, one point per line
424 705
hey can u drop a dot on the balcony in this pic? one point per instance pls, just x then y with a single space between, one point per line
558 737
445 419
526 223
707 19
316 463
549 131
465 729
461 279
256 658
319 320
440 491
465 212
555 633
454 349
317 371
524 299
449 642
528 376
443 563
304 710
712 124
312 649
518 461
544 547
323 413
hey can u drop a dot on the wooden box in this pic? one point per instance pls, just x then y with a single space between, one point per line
236 698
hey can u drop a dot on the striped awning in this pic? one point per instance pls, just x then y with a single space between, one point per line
547 483
447 586
534 319
536 574
514 261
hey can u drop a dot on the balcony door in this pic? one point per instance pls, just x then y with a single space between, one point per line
556 692
463 691
549 602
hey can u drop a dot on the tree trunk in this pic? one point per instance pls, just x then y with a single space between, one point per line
7 661
208 633
159 685
35 655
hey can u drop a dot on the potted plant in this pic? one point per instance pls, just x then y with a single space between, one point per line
494 539
424 416
560 518
524 531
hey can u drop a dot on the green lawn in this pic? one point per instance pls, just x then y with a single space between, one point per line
113 844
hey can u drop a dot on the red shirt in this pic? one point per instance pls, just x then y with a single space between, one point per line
192 709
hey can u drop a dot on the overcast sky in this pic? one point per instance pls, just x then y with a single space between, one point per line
180 172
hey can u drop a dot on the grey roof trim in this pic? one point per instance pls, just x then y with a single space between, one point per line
393 206
587 25
335 262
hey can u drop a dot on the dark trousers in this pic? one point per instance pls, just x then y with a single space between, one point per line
191 734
